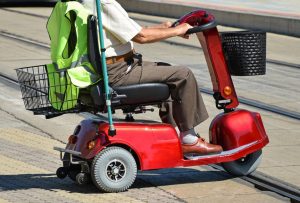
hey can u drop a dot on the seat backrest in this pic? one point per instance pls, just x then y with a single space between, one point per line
93 45
96 91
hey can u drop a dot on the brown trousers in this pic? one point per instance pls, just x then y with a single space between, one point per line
187 109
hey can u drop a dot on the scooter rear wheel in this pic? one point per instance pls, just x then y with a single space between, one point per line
244 166
113 170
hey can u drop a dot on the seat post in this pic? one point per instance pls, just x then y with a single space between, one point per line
220 76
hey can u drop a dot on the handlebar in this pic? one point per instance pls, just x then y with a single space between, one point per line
201 27
200 19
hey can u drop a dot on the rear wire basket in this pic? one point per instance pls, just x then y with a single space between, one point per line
35 86
245 52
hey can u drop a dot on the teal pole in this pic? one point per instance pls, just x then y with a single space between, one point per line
112 130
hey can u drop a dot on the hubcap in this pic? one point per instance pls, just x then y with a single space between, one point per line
115 170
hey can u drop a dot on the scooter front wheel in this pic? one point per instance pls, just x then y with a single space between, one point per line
244 166
113 170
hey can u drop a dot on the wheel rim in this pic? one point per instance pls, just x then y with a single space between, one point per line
115 170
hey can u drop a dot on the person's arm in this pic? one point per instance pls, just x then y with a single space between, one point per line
154 34
166 24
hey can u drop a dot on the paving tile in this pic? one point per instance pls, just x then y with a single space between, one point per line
244 198
288 156
26 159
290 174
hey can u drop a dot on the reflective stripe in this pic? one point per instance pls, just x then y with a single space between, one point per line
88 69
82 59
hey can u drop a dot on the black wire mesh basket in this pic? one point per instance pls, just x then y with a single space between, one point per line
245 52
47 93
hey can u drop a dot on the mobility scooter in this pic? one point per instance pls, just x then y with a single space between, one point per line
110 153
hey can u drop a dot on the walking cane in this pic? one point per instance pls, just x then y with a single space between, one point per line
112 130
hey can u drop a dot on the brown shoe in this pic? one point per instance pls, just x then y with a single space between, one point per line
201 147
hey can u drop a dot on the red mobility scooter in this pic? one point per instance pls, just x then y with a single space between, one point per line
111 154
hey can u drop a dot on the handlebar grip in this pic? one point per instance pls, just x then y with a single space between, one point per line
201 28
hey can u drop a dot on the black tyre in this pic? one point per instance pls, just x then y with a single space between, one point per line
114 170
74 169
61 172
244 166
82 178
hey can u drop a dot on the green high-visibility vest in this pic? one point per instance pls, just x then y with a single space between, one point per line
70 69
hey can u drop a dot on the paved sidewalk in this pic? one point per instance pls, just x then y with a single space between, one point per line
279 47
288 8
281 156
266 15
28 165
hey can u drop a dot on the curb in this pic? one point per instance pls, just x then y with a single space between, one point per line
280 23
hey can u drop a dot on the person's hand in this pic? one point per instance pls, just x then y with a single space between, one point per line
182 29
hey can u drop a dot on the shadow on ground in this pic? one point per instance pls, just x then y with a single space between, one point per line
145 179
42 181
179 176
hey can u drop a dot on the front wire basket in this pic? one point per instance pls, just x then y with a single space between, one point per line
47 93
245 52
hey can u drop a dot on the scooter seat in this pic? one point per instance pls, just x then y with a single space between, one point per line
130 95
143 93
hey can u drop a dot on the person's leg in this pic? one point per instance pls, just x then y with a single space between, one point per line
187 108
166 113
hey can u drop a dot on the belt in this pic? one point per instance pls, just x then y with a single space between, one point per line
121 58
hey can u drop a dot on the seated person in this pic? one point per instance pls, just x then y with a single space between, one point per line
187 109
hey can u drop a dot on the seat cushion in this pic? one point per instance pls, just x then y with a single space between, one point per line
143 93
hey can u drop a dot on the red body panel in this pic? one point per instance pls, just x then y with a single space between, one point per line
157 145
237 128
219 72
240 132
212 47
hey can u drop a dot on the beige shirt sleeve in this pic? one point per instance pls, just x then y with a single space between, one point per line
116 21
119 29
